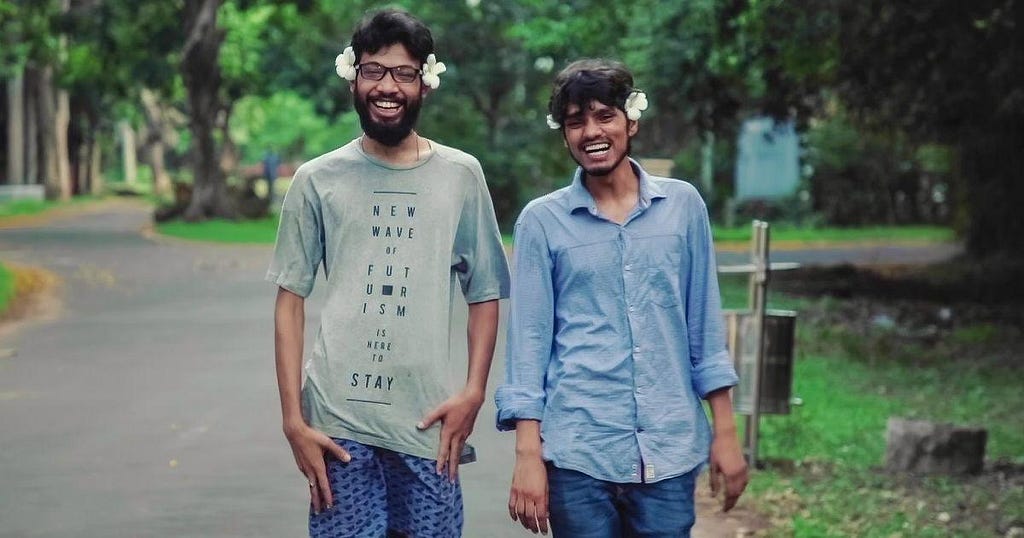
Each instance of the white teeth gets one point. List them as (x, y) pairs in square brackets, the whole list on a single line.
[(594, 148), (386, 104)]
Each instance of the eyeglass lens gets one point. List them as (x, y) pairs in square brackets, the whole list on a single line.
[(376, 71)]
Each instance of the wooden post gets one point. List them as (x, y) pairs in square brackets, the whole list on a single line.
[(758, 306)]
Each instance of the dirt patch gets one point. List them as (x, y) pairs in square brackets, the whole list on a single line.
[(739, 522), (36, 297)]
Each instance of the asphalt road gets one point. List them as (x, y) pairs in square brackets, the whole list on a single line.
[(147, 407)]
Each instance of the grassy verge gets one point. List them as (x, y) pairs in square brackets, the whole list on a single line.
[(6, 288), (841, 235), (223, 231), (21, 208), (264, 230), (824, 475)]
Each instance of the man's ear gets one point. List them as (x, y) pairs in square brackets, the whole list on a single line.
[(634, 127), (424, 89), (352, 86)]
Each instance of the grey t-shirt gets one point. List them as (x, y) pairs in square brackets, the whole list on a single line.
[(394, 242)]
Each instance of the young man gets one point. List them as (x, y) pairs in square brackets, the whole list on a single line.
[(398, 222), (615, 335)]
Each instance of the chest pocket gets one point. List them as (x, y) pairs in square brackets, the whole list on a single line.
[(592, 267), (662, 259)]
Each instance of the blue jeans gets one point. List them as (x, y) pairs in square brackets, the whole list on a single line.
[(583, 507)]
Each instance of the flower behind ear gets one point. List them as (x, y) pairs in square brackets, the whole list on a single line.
[(635, 104), (552, 123), (345, 64), (432, 70)]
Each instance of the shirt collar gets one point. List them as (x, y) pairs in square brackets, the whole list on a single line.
[(580, 198)]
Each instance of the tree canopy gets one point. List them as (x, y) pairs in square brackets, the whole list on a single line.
[(249, 76)]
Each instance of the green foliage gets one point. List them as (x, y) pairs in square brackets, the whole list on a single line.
[(863, 177), (288, 124), (947, 71)]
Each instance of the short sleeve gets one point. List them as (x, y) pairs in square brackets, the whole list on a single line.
[(300, 239), (478, 256)]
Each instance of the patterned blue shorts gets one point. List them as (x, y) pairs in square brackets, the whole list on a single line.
[(382, 493)]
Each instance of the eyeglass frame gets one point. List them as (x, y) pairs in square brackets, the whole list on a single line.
[(389, 70)]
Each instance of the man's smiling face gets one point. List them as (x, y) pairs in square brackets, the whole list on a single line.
[(388, 109), (597, 136)]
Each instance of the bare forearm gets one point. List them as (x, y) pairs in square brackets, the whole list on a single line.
[(481, 333), (289, 322), (528, 443), (721, 412)]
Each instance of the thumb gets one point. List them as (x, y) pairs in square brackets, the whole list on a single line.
[(430, 418)]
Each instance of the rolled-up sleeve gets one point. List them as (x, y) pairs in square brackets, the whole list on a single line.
[(530, 326), (712, 368)]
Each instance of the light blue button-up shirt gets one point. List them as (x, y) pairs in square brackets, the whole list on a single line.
[(616, 332)]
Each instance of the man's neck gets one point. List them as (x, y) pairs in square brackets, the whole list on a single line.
[(618, 186), (409, 151), (617, 193)]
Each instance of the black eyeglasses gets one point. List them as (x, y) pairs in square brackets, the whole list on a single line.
[(401, 73)]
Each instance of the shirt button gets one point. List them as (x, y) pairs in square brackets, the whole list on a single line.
[(637, 349), (628, 267), (631, 309)]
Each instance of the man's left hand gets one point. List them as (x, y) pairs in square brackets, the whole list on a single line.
[(728, 464), (457, 415)]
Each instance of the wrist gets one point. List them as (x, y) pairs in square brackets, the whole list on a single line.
[(474, 393), (292, 427)]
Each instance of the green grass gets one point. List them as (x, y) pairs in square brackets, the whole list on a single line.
[(25, 207), (6, 287), (875, 233), (16, 208), (262, 231), (850, 385)]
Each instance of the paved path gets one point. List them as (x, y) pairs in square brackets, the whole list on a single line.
[(148, 407)]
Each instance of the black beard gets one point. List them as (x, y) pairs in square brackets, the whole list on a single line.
[(389, 135), (599, 172)]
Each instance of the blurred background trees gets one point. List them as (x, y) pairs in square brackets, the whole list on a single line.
[(907, 112)]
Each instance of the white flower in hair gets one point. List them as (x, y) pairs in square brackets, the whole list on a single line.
[(635, 104), (552, 123), (431, 71), (345, 64)]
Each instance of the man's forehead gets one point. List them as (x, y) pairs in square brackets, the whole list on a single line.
[(393, 52), (593, 105)]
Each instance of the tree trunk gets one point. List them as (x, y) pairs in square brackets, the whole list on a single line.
[(201, 73), (31, 127), (95, 172), (992, 159), (16, 130), (62, 120), (46, 119), (128, 155), (155, 142)]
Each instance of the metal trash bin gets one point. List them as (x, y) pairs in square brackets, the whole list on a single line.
[(777, 365)]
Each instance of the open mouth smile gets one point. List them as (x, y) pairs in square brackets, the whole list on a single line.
[(597, 149), (386, 107)]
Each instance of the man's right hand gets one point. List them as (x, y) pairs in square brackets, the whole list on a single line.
[(311, 449), (528, 498)]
